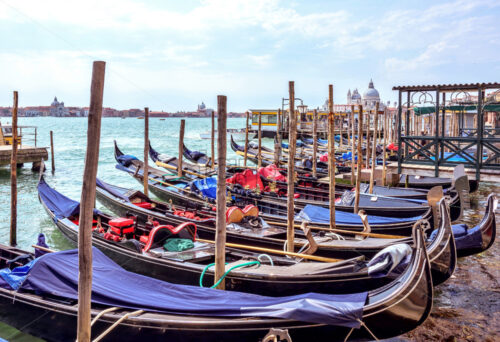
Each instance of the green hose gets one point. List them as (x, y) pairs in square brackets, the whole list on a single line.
[(250, 263)]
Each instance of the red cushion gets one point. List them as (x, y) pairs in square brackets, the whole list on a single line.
[(145, 205), (121, 222)]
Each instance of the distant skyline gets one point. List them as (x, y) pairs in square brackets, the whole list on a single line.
[(172, 55)]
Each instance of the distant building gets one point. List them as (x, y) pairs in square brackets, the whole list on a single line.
[(57, 109), (370, 97)]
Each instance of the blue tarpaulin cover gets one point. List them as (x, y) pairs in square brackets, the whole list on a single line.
[(126, 159), (112, 190), (465, 238), (317, 214), (207, 187), (57, 274), (57, 203)]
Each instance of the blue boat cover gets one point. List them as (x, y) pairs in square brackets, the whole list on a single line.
[(126, 159), (207, 187), (465, 238), (195, 155), (60, 205), (57, 274), (317, 214)]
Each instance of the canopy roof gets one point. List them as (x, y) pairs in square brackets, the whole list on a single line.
[(431, 109)]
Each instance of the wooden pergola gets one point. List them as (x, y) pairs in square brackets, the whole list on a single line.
[(442, 147)]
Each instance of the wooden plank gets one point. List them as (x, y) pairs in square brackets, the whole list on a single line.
[(87, 203), (220, 233), (292, 128), (13, 176)]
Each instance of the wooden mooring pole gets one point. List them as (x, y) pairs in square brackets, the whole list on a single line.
[(13, 176), (331, 156), (374, 148), (245, 156), (384, 158), (146, 151), (259, 157), (368, 136), (315, 142), (213, 139), (220, 233), (360, 159), (53, 162), (246, 141), (353, 145), (292, 129), (87, 203), (181, 144), (277, 154)]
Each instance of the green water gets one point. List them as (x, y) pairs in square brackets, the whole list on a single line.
[(70, 145)]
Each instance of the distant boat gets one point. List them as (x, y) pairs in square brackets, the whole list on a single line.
[(162, 119), (237, 133), (141, 117)]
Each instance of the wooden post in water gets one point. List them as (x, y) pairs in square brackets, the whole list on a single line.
[(368, 136), (181, 144), (13, 176), (315, 141), (292, 128), (35, 135), (220, 233), (245, 156), (277, 145), (52, 161), (353, 145), (374, 148), (246, 141), (259, 157), (360, 159), (331, 156), (384, 158), (145, 179), (213, 139), (87, 202)]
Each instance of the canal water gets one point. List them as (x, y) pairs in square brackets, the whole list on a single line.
[(69, 148)]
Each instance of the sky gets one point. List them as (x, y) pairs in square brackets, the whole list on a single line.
[(171, 55)]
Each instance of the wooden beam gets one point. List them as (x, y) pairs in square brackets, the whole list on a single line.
[(360, 159), (292, 128), (220, 233), (13, 176), (384, 147), (87, 203), (181, 143), (368, 136), (353, 145), (331, 156), (315, 142), (259, 155), (374, 148), (146, 150), (277, 155)]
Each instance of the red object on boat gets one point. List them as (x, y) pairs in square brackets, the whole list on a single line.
[(324, 157), (247, 179), (144, 205), (392, 147), (121, 225), (271, 172)]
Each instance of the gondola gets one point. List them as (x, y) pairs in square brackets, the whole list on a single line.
[(308, 183), (271, 275), (152, 310), (372, 205), (425, 182), (174, 190), (171, 164), (123, 201)]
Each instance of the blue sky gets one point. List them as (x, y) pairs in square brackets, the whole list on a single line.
[(171, 55)]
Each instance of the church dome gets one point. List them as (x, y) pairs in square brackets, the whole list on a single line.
[(371, 93), (355, 95), (55, 103)]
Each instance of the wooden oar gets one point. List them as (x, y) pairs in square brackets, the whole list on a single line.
[(274, 251), (48, 250), (168, 184), (336, 230)]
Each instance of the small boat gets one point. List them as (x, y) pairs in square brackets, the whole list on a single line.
[(425, 182), (238, 133), (137, 307)]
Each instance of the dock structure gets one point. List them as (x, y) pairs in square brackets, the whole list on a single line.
[(441, 126), (25, 154)]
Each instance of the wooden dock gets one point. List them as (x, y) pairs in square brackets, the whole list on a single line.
[(25, 154)]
